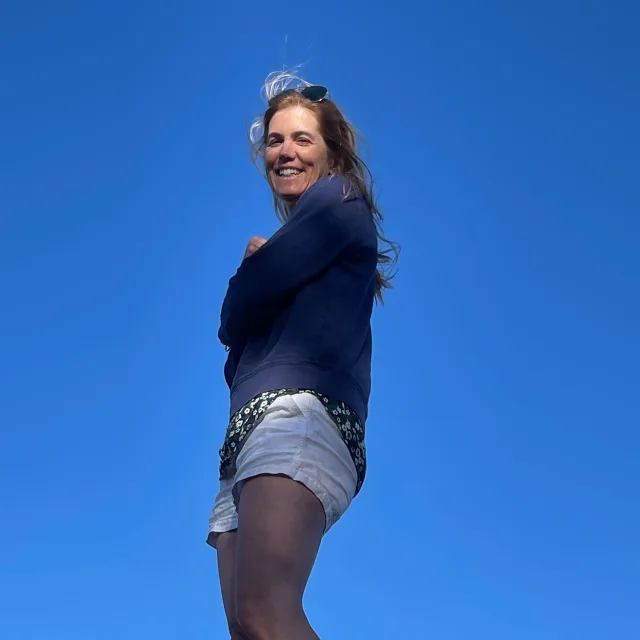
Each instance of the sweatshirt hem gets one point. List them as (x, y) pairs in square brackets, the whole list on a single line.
[(337, 384)]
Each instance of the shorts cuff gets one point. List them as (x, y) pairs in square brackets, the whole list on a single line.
[(331, 515), (221, 526)]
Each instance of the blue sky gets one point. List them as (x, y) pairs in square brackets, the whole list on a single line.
[(502, 496)]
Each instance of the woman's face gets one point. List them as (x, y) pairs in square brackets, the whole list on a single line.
[(296, 154)]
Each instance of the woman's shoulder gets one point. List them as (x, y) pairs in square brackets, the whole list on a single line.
[(339, 202), (331, 190)]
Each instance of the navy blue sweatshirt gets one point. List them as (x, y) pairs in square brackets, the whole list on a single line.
[(297, 312)]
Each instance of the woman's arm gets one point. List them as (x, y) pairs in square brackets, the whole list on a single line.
[(322, 226)]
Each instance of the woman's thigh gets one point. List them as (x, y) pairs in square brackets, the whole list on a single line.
[(280, 527), (264, 565)]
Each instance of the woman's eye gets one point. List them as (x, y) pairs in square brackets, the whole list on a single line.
[(304, 141), (273, 142)]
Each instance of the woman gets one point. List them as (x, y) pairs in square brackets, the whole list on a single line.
[(296, 322)]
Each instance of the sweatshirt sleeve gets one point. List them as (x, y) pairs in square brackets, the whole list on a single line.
[(321, 227)]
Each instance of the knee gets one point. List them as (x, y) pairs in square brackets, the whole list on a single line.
[(252, 621), (260, 620), (235, 630)]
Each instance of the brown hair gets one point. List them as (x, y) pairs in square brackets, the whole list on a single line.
[(341, 138)]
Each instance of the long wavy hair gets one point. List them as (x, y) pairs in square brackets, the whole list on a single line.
[(341, 138)]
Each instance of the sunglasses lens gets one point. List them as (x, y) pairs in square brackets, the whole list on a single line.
[(315, 93)]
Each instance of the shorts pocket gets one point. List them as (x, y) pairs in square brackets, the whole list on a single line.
[(305, 403), (288, 404)]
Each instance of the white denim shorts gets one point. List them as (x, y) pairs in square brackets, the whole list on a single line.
[(297, 438)]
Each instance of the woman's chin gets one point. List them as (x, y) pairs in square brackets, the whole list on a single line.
[(289, 194), (290, 190)]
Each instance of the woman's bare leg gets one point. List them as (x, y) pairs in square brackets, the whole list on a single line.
[(226, 547), (280, 528)]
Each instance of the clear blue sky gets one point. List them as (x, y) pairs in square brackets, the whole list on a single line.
[(504, 443)]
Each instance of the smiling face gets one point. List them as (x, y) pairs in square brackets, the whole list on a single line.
[(296, 155)]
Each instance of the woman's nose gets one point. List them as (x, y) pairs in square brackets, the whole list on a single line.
[(286, 151)]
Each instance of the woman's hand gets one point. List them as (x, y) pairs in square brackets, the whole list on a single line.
[(254, 244)]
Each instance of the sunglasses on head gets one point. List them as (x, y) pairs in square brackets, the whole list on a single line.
[(314, 93)]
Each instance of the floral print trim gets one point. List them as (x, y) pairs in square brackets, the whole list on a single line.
[(246, 419)]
